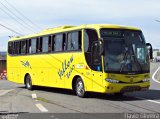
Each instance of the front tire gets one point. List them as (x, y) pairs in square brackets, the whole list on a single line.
[(28, 83), (80, 90)]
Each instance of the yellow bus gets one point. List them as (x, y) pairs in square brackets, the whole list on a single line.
[(100, 58)]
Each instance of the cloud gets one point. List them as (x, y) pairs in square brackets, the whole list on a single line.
[(59, 11), (91, 8), (52, 13)]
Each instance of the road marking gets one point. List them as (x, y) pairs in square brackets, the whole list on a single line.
[(41, 108), (3, 92), (154, 75), (148, 100), (34, 96)]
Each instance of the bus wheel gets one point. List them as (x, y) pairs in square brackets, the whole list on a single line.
[(80, 88), (29, 83)]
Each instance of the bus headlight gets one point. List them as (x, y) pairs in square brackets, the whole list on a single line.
[(146, 80), (112, 80)]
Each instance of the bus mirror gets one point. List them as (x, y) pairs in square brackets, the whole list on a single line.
[(98, 46), (150, 50), (96, 53), (101, 47)]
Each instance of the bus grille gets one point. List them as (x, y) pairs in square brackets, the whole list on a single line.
[(130, 89)]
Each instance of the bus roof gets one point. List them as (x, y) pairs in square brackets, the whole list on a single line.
[(70, 28)]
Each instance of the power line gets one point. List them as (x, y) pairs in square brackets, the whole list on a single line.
[(12, 17), (39, 28), (17, 16), (11, 26), (11, 30)]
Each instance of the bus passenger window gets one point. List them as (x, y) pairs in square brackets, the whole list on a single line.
[(50, 44), (10, 48), (58, 39), (49, 48), (23, 47), (33, 45), (45, 43), (18, 47), (74, 41), (39, 45), (64, 46), (29, 46), (13, 47)]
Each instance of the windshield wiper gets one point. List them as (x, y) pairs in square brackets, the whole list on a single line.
[(125, 56), (124, 59), (135, 59)]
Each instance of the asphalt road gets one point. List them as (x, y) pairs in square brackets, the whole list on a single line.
[(14, 98)]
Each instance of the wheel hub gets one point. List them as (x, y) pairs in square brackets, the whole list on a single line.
[(80, 89)]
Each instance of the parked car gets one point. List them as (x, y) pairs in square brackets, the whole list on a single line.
[(157, 59)]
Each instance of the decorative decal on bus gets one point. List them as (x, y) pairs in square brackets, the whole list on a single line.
[(26, 64), (65, 66)]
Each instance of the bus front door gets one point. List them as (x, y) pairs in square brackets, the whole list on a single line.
[(97, 81), (97, 74)]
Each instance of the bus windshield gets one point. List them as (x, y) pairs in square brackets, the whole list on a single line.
[(125, 51)]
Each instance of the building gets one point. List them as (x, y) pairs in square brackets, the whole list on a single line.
[(155, 52), (2, 64), (156, 55)]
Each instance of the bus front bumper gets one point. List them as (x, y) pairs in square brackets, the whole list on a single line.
[(119, 87)]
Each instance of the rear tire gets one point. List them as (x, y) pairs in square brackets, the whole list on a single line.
[(28, 83), (79, 88)]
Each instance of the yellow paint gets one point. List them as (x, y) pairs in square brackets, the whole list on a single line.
[(47, 70)]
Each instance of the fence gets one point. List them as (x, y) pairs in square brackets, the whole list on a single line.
[(3, 75)]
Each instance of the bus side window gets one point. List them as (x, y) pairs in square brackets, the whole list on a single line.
[(50, 44), (64, 45), (18, 44), (23, 47), (89, 37), (74, 41), (19, 48), (33, 45), (39, 45), (58, 39), (10, 48), (28, 48), (79, 40), (45, 43), (69, 41), (16, 47), (30, 51), (53, 43)]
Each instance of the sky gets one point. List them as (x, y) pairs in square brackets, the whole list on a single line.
[(52, 13)]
